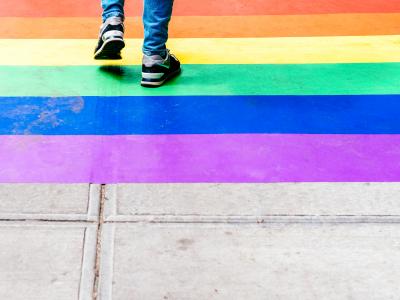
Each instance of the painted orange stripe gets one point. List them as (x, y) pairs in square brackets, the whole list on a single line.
[(89, 8), (224, 26)]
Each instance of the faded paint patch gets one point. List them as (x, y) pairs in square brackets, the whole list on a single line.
[(29, 118)]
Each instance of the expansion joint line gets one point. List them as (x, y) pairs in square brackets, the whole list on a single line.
[(98, 240)]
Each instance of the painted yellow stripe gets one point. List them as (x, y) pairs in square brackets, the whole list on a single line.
[(350, 49)]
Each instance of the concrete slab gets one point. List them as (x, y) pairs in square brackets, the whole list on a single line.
[(231, 261), (42, 261), (49, 201), (213, 202)]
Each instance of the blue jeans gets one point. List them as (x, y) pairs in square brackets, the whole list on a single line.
[(156, 17)]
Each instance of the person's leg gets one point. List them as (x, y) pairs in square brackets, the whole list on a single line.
[(158, 64), (111, 36), (112, 8), (156, 17)]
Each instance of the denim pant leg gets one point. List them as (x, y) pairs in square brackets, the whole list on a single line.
[(156, 17), (112, 8)]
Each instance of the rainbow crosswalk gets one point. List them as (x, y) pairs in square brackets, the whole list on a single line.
[(272, 91)]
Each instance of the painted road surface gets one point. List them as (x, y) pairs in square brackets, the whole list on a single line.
[(257, 78)]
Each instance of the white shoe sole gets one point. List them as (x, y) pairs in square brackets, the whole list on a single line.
[(111, 49), (159, 83)]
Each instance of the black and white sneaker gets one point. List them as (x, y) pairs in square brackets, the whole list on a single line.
[(111, 39), (157, 70)]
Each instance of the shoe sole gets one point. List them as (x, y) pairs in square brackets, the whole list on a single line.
[(111, 49), (160, 83)]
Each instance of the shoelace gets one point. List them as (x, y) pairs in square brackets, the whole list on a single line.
[(173, 56)]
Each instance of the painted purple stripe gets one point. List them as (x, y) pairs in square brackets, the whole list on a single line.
[(200, 158)]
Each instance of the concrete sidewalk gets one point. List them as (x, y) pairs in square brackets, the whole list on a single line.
[(200, 241)]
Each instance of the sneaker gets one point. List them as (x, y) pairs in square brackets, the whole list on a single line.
[(111, 39), (157, 70)]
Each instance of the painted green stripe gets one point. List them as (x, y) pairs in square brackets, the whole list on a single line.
[(313, 79)]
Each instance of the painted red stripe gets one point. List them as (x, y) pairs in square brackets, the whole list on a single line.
[(87, 8), (200, 158)]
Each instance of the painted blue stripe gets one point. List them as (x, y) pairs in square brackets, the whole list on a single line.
[(363, 114)]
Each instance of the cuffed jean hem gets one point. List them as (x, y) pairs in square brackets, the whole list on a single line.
[(113, 14), (162, 53)]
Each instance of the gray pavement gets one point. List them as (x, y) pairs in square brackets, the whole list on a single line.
[(200, 241)]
